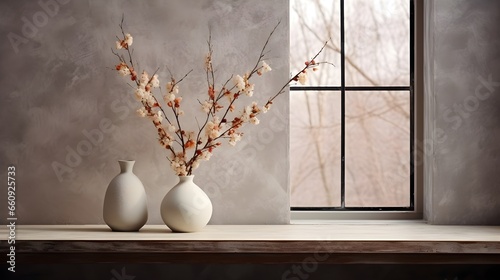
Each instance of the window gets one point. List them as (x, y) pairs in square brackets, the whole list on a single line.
[(352, 125)]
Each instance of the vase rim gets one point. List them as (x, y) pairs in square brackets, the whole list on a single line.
[(185, 176), (126, 160)]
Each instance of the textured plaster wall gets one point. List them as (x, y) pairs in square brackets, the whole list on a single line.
[(59, 98), (462, 103)]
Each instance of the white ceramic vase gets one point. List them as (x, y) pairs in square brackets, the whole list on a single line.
[(186, 207), (125, 204)]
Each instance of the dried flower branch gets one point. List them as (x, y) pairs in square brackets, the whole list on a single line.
[(222, 119)]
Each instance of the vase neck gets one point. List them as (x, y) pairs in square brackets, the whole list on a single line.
[(126, 165), (186, 178)]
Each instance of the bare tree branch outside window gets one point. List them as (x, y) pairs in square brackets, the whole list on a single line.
[(377, 123)]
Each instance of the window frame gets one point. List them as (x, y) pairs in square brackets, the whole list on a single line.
[(415, 88)]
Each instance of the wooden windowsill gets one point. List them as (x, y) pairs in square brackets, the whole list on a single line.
[(343, 242)]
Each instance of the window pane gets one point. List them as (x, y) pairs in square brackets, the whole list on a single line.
[(315, 148), (377, 147), (377, 42), (312, 23)]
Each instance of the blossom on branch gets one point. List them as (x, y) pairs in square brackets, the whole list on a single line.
[(234, 137), (303, 78), (142, 112), (125, 43), (239, 82), (266, 107), (172, 88), (208, 62), (264, 68), (144, 79), (140, 93), (154, 81), (158, 117), (222, 119), (206, 106), (171, 128), (123, 69), (213, 128)]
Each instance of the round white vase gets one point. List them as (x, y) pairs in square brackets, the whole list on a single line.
[(125, 204), (186, 207)]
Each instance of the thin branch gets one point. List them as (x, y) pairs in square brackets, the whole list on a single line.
[(282, 90)]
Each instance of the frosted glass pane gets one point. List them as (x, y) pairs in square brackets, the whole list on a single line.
[(377, 42), (311, 24), (377, 149), (315, 148)]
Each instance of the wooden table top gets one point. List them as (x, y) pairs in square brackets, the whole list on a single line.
[(341, 242), (371, 231)]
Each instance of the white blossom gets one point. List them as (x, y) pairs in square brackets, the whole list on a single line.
[(150, 99), (234, 137), (239, 82), (171, 87), (205, 155), (266, 107), (178, 164), (207, 105), (144, 78), (245, 115), (213, 133), (124, 71), (140, 93), (171, 128), (169, 97), (154, 81), (118, 45), (255, 107), (166, 141), (142, 112), (265, 67), (248, 89), (212, 128), (302, 78), (254, 120), (158, 117), (128, 39)]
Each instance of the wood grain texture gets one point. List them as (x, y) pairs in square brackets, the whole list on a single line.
[(336, 243), (341, 231), (256, 258), (263, 246)]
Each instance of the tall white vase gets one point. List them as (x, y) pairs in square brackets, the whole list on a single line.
[(186, 207), (125, 205)]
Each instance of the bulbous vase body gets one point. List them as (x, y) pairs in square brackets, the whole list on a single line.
[(125, 204), (186, 207)]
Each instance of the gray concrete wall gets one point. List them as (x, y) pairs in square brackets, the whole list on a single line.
[(462, 103), (57, 88)]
